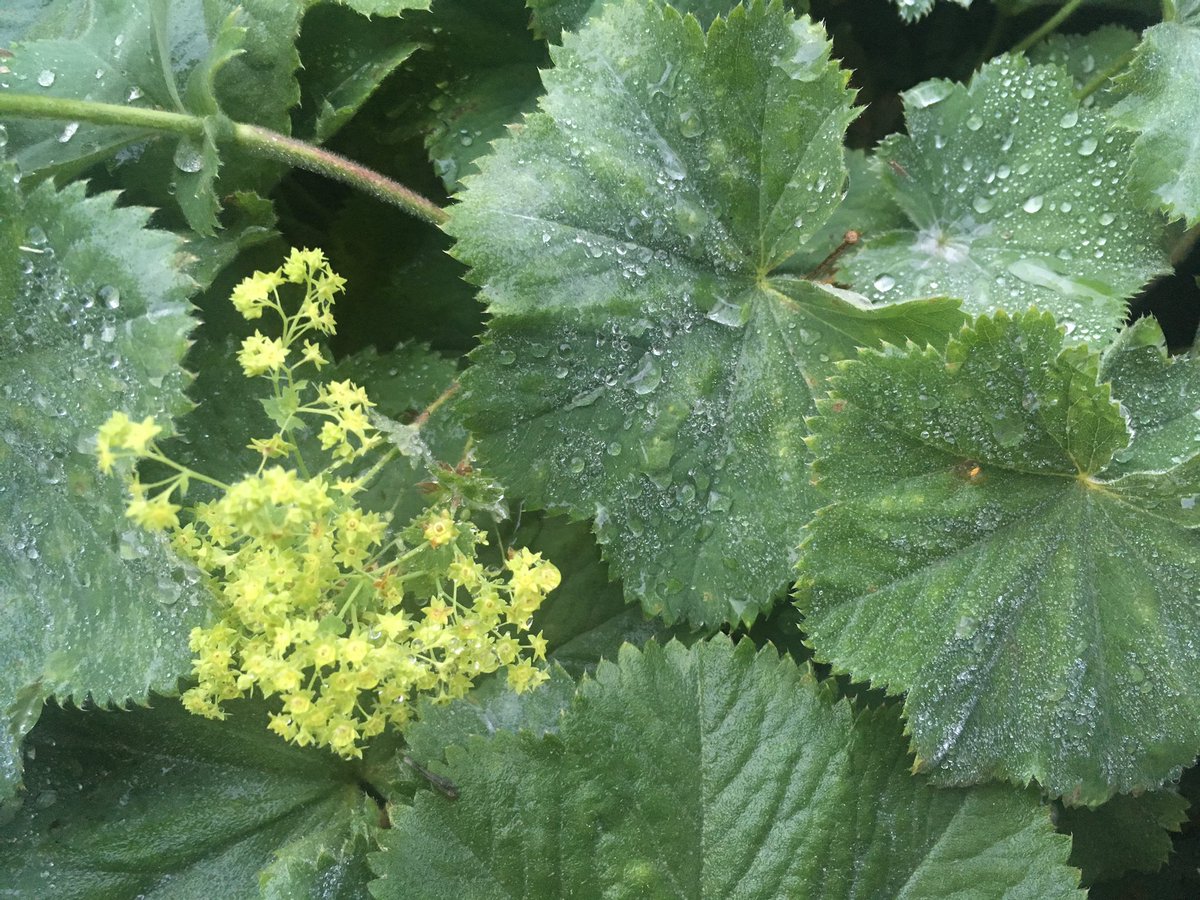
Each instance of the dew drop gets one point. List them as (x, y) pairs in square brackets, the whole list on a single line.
[(68, 132), (1107, 219), (188, 157), (1069, 119), (884, 283), (974, 123), (1087, 147), (109, 295), (982, 204), (1033, 204), (45, 78)]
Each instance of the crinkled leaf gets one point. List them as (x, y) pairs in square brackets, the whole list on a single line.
[(1125, 834), (1159, 395), (1160, 105), (96, 319), (642, 366), (721, 772), (346, 57), (984, 555), (160, 803), (1087, 57), (1012, 201)]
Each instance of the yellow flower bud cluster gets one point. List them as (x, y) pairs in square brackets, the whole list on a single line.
[(344, 625), (320, 605)]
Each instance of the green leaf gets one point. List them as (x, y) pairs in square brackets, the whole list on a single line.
[(643, 366), (160, 803), (911, 10), (346, 57), (1159, 106), (491, 707), (1125, 834), (867, 210), (721, 773), (1012, 201), (1158, 393), (985, 555), (234, 57), (384, 7), (552, 17), (1087, 57), (586, 618), (482, 62), (96, 320)]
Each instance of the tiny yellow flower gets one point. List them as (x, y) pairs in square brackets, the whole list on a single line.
[(260, 355), (441, 529)]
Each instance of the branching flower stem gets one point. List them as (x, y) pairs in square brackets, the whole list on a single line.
[(252, 138)]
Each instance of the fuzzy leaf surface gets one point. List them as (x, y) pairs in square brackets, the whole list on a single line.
[(1161, 87), (643, 366), (1012, 202), (96, 313), (722, 773), (1159, 394), (159, 803), (552, 17), (984, 554)]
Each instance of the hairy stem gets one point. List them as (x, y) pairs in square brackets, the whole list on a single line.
[(1049, 26), (260, 141)]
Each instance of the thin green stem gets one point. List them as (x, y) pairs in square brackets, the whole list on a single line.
[(260, 141), (1049, 26), (1104, 77), (191, 474)]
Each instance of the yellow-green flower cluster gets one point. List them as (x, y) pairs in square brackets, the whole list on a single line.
[(319, 604)]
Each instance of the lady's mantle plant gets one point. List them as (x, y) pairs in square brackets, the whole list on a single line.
[(762, 337)]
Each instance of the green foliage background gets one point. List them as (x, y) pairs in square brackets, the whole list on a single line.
[(839, 355)]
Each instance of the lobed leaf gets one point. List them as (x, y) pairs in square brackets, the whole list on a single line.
[(233, 58), (160, 803), (1159, 106), (1126, 834), (645, 365), (986, 554), (1087, 57), (723, 773), (96, 313), (1013, 198)]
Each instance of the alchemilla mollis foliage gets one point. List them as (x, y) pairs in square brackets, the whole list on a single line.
[(489, 448)]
